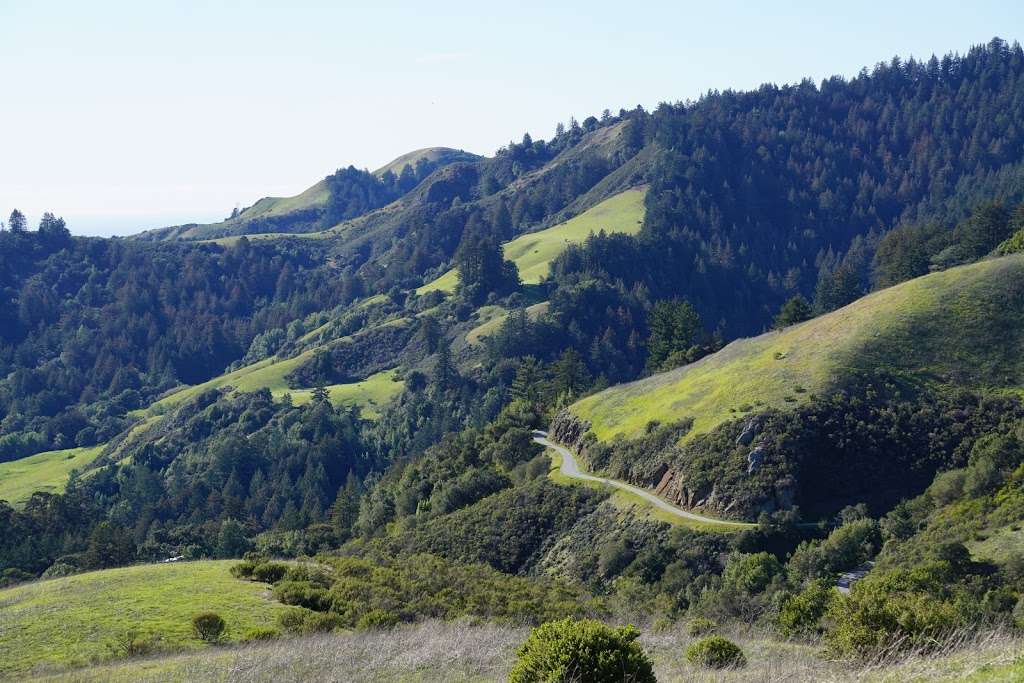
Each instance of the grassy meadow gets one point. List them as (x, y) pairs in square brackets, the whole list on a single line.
[(47, 472), (533, 252), (963, 325), (446, 652), (69, 621)]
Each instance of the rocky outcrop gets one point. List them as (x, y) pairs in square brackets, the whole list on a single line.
[(571, 432), (755, 458), (750, 430)]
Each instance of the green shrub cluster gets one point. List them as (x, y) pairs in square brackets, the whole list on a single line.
[(208, 627), (582, 650), (382, 590), (715, 652), (700, 626)]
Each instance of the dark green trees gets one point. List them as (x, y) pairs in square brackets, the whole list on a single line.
[(483, 269), (675, 333), (795, 310)]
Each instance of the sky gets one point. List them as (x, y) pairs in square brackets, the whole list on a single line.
[(126, 116)]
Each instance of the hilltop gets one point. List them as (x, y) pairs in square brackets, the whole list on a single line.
[(962, 327)]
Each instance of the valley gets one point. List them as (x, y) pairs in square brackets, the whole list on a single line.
[(644, 389)]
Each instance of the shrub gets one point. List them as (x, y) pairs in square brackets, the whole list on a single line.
[(208, 626), (911, 608), (378, 619), (303, 594), (131, 644), (260, 634), (243, 570), (700, 627), (715, 652), (321, 622), (301, 621), (585, 650), (801, 614), (269, 572), (291, 620)]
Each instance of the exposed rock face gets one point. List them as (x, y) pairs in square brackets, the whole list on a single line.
[(750, 430), (755, 458), (570, 431)]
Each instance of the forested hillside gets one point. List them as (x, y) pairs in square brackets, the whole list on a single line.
[(357, 373)]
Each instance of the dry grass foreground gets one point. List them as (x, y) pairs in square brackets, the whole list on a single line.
[(463, 651)]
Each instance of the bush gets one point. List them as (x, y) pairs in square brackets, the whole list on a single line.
[(801, 614), (131, 644), (321, 622), (292, 620), (585, 650), (260, 634), (208, 626), (378, 619), (715, 652), (243, 570), (700, 627), (269, 572), (302, 621), (303, 594), (904, 608)]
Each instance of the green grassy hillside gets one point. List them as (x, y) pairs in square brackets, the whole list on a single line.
[(492, 317), (70, 621), (444, 155), (312, 197), (47, 472), (372, 393), (534, 252), (963, 326)]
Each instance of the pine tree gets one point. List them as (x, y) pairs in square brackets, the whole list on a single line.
[(17, 223), (345, 509), (675, 327), (571, 374), (795, 310)]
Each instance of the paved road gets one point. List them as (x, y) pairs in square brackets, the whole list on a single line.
[(571, 468)]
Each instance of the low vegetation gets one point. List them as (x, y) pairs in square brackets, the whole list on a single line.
[(584, 650), (73, 621)]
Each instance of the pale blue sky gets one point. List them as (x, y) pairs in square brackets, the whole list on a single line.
[(121, 116)]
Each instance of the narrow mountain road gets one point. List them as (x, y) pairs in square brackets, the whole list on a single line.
[(571, 468)]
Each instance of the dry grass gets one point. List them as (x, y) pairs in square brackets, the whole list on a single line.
[(463, 651)]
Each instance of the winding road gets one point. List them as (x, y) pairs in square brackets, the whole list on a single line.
[(571, 468)]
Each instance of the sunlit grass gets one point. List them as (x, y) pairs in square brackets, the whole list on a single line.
[(46, 472), (533, 253), (962, 326), (69, 621)]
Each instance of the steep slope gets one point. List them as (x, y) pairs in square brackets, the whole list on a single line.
[(47, 472), (533, 252), (962, 327)]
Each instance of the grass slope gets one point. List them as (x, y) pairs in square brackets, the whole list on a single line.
[(492, 317), (464, 651), (47, 472), (963, 326), (533, 253), (444, 155), (372, 394), (314, 196), (68, 621)]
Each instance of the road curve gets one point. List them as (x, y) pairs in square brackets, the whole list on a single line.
[(571, 468)]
